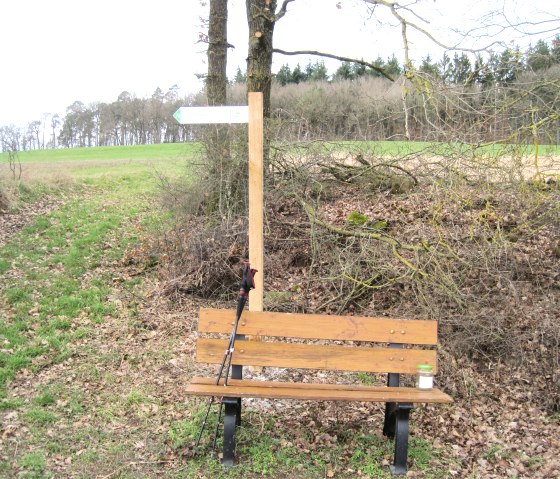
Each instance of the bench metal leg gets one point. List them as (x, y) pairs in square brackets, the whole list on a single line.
[(390, 419), (237, 373), (231, 421), (401, 415), (393, 381), (238, 417)]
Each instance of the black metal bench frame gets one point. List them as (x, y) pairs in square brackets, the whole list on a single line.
[(395, 426)]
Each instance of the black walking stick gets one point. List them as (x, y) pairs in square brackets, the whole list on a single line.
[(246, 285)]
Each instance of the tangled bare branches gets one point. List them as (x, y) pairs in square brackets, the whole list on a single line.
[(201, 260)]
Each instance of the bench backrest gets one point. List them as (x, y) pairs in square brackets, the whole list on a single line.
[(322, 353)]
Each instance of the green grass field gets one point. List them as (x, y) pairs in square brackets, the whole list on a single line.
[(111, 187), (55, 172), (87, 387), (173, 151), (57, 289), (399, 148), (164, 151)]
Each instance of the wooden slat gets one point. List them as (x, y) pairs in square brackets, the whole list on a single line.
[(273, 384), (319, 326), (295, 391), (311, 356), (256, 197)]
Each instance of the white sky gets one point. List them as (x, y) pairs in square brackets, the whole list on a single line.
[(54, 52)]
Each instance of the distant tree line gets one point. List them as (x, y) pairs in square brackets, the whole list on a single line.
[(375, 109), (458, 69), (127, 121), (468, 95), (507, 96)]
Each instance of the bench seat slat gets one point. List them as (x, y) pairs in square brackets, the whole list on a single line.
[(273, 384), (311, 356), (320, 326), (314, 392)]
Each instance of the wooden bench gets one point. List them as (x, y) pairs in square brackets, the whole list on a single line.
[(395, 353)]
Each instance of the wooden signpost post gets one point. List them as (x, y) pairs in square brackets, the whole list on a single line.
[(253, 115), (256, 198)]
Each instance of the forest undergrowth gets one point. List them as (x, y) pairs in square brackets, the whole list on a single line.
[(441, 239)]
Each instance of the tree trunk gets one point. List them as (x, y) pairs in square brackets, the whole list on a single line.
[(261, 20), (217, 138), (216, 81)]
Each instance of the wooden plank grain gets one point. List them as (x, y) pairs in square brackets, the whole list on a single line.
[(311, 356), (280, 384), (442, 397), (320, 326), (291, 391), (256, 197)]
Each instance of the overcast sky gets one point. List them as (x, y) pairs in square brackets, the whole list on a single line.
[(55, 52)]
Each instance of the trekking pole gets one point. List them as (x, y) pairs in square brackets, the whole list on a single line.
[(246, 285)]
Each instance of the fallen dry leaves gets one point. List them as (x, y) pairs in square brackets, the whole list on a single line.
[(123, 385)]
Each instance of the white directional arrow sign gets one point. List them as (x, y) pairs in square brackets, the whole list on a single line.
[(200, 115)]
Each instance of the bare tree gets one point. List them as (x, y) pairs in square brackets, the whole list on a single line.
[(55, 123), (10, 144), (33, 131)]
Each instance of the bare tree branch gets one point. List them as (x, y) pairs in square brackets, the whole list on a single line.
[(518, 27), (495, 23), (282, 10), (396, 7)]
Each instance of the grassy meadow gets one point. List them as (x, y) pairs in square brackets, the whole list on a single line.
[(165, 151), (89, 387), (57, 277), (107, 191), (85, 385), (400, 148)]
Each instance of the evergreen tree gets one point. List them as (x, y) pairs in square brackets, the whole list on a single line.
[(393, 67), (298, 75), (429, 67), (316, 71), (240, 77), (284, 75), (379, 62), (359, 70), (509, 66), (460, 69), (344, 72), (555, 50), (446, 68), (539, 57), (482, 73)]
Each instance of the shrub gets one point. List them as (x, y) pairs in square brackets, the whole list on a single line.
[(4, 202)]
